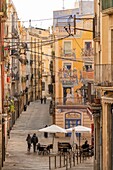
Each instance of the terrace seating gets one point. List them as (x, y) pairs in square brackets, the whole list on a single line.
[(44, 149), (64, 147)]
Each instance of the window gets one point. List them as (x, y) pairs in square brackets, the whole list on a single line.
[(88, 45), (43, 86), (88, 67), (67, 47), (67, 70)]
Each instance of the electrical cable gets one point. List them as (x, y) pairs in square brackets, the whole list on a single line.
[(62, 58)]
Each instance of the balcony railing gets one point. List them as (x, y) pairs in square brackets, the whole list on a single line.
[(68, 77), (67, 53), (104, 74), (96, 28), (70, 101), (107, 6), (87, 52)]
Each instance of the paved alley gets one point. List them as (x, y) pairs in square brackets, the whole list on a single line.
[(17, 157)]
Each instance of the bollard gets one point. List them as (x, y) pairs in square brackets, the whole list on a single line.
[(64, 159), (77, 157), (66, 162), (55, 161), (49, 163), (70, 160), (60, 161), (73, 159)]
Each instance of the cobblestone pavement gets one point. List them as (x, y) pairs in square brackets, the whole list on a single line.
[(17, 157)]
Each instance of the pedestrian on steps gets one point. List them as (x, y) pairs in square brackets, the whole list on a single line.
[(28, 139), (34, 140)]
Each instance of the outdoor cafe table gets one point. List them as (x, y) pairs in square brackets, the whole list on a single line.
[(42, 149)]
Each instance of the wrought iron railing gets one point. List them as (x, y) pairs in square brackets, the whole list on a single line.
[(106, 4), (104, 74), (68, 53), (87, 52), (96, 28), (79, 100)]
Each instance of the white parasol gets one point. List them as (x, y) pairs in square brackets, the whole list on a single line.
[(53, 129), (79, 129)]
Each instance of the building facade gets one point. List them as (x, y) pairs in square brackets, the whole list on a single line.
[(40, 56), (74, 71), (104, 83)]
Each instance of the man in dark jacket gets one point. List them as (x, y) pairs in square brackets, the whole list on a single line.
[(34, 140)]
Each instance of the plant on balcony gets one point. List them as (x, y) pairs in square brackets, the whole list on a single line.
[(11, 106)]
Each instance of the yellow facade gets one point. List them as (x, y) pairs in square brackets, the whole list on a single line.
[(71, 74), (74, 59)]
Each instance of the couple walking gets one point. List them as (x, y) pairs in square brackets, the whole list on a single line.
[(43, 99), (32, 140)]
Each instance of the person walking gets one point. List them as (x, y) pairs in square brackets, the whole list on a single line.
[(44, 99), (28, 139), (45, 133), (34, 140), (41, 100)]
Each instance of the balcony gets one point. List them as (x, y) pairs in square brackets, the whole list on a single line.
[(67, 53), (87, 54), (107, 6), (70, 101), (96, 29), (15, 77), (104, 75), (68, 77), (14, 32)]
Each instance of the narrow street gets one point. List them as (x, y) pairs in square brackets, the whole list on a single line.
[(36, 116), (17, 157)]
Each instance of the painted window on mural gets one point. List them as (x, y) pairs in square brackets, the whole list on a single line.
[(67, 70), (72, 120), (67, 47)]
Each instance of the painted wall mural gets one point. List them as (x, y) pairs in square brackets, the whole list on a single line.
[(67, 75)]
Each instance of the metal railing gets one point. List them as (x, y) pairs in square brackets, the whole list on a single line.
[(80, 100), (87, 52), (104, 73), (66, 160), (107, 4)]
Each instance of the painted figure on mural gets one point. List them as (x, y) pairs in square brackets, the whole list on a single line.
[(79, 96), (69, 96)]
